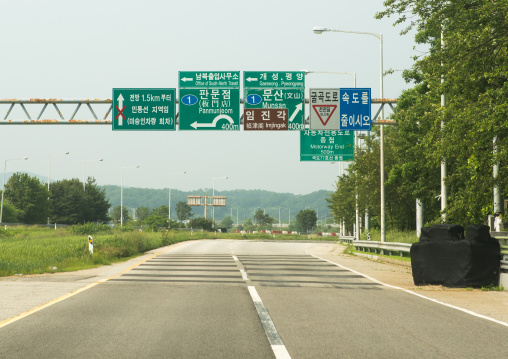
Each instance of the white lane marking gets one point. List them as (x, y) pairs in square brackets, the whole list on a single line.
[(280, 352), (254, 294), (235, 258), (278, 347), (418, 295), (244, 275)]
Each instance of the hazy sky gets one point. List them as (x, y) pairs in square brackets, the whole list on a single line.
[(73, 49)]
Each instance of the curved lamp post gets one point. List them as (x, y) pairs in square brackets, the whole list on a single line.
[(320, 30)]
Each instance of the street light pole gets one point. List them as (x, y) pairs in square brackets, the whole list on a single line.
[(320, 30), (99, 160), (121, 194), (174, 173), (3, 187), (213, 199)]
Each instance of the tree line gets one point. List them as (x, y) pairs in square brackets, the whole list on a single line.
[(467, 61), (28, 200)]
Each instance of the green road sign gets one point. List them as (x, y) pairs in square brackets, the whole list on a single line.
[(144, 109), (326, 145), (209, 79), (274, 79), (277, 90), (209, 100)]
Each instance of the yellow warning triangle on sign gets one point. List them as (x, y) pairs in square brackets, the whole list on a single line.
[(324, 112)]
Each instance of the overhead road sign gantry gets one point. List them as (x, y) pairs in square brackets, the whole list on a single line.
[(276, 90), (326, 145), (144, 109), (209, 100), (324, 109)]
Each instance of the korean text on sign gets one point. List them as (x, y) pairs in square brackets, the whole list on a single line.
[(355, 109)]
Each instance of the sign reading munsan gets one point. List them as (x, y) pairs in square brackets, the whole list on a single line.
[(277, 90), (144, 109), (209, 100)]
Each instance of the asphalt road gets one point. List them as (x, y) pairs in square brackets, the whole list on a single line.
[(246, 299)]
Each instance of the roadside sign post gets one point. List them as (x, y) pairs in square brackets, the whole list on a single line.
[(209, 100), (324, 109), (326, 145), (276, 90), (144, 109), (355, 109)]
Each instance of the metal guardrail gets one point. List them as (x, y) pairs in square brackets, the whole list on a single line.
[(389, 248)]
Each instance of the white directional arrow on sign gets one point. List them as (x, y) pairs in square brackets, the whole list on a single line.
[(120, 103), (298, 109), (250, 79), (185, 79), (214, 123)]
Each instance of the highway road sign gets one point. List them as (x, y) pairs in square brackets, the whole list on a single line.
[(355, 109), (324, 109), (326, 145), (277, 90), (209, 100), (269, 119), (274, 79), (145, 109), (209, 79)]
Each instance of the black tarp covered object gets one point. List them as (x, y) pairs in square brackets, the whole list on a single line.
[(443, 256)]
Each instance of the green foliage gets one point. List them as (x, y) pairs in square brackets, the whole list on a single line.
[(11, 214), (263, 220), (306, 220), (474, 66), (183, 211), (202, 223), (161, 211), (155, 222), (91, 228), (115, 214), (493, 288), (29, 196), (141, 213), (70, 204), (246, 201), (227, 222), (38, 250)]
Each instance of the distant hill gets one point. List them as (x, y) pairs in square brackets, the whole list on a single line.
[(245, 201)]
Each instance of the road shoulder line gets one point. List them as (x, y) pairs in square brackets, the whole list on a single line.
[(417, 294)]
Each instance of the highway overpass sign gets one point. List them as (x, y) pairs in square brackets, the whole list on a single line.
[(144, 109), (209, 100), (277, 90), (326, 145)]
